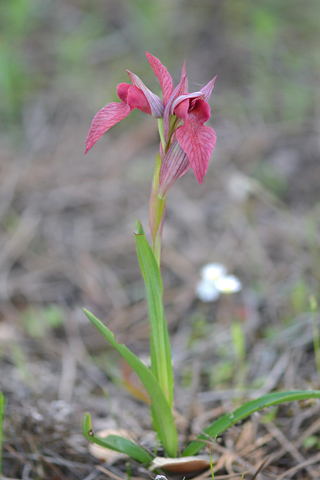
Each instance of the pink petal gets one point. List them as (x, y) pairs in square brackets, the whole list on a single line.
[(181, 109), (179, 90), (182, 98), (173, 166), (106, 118), (156, 104), (163, 76), (197, 140), (137, 99), (122, 91), (207, 89)]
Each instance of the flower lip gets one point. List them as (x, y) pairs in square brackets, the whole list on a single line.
[(196, 139), (181, 98), (106, 118)]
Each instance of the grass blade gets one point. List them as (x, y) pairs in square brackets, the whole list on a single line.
[(119, 444), (161, 410), (161, 364), (245, 411)]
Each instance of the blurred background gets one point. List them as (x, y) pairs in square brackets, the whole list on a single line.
[(67, 221)]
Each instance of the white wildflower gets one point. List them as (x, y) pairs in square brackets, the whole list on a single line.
[(212, 271), (206, 291), (228, 284), (215, 280)]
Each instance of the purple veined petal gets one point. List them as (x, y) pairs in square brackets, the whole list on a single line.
[(137, 99), (196, 140), (174, 164), (207, 89), (163, 76), (106, 118), (134, 97), (198, 143), (156, 104), (193, 95), (179, 90)]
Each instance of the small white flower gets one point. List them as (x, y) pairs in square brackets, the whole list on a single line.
[(206, 291), (228, 284), (212, 271), (215, 280)]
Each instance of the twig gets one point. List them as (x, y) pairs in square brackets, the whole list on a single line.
[(306, 463)]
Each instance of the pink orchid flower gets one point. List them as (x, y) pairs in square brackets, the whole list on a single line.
[(132, 96), (186, 141)]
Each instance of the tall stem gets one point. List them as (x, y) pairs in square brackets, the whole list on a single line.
[(157, 207), (156, 242), (157, 213)]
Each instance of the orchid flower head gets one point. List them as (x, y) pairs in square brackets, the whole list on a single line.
[(135, 96), (186, 141), (189, 143)]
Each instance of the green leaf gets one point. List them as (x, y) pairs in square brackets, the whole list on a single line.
[(161, 410), (119, 444), (245, 411), (161, 364)]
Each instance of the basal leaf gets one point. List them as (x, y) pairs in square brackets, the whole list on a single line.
[(161, 364), (119, 444), (245, 411), (160, 407)]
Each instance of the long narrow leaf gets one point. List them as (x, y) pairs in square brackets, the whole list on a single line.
[(244, 411), (160, 408), (119, 444), (161, 364)]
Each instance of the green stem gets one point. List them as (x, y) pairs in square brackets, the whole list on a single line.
[(159, 211), (156, 248), (161, 133), (156, 211)]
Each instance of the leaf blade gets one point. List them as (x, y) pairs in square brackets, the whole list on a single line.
[(166, 427), (160, 352), (247, 409), (117, 443)]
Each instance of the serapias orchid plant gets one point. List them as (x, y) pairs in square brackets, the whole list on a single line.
[(185, 143)]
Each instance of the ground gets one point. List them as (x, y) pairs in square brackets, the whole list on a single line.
[(67, 240)]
